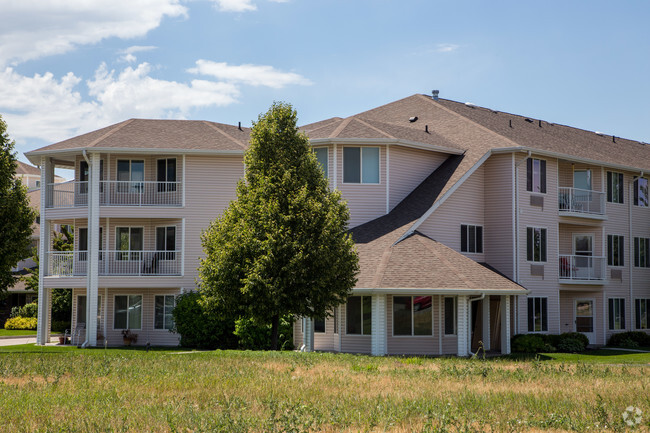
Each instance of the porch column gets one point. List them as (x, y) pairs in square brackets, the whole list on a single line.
[(462, 323), (486, 322), (505, 325), (308, 334), (378, 325), (92, 279), (44, 245)]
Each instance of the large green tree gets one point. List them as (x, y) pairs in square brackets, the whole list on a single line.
[(282, 246), (16, 216)]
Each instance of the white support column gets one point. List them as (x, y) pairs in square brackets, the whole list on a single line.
[(486, 322), (308, 334), (43, 326), (183, 240), (462, 323), (92, 279), (505, 325), (378, 325)]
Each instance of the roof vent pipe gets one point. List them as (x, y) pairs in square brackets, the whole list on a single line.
[(511, 123), (435, 94), (540, 123), (239, 126), (613, 139), (426, 128)]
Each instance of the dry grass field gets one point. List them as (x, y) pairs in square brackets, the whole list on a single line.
[(67, 389)]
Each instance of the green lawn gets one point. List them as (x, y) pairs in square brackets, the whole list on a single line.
[(15, 332)]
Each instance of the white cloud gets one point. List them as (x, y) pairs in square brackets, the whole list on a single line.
[(446, 48), (35, 28), (128, 54), (235, 5), (254, 75)]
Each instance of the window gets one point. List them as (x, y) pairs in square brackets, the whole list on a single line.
[(471, 239), (127, 312), (319, 325), (163, 307), (641, 192), (166, 175), (336, 320), (166, 243), (642, 306), (615, 250), (83, 176), (616, 313), (642, 252), (614, 187), (359, 315), (322, 157), (412, 315), (361, 165), (83, 244), (129, 239), (450, 316), (537, 315), (536, 175), (130, 175), (535, 244), (81, 310), (38, 184)]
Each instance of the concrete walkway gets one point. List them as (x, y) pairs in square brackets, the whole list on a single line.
[(23, 340)]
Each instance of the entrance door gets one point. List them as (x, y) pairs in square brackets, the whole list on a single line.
[(584, 322), (583, 249)]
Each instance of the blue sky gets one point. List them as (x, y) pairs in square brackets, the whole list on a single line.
[(72, 66)]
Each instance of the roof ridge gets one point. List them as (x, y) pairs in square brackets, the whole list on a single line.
[(373, 127), (442, 258), (213, 126), (383, 264), (341, 127), (117, 127)]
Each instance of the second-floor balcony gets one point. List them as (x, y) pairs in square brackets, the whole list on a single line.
[(115, 263), (581, 269), (115, 193), (581, 202)]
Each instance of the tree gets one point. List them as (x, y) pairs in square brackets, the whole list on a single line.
[(282, 246), (16, 216)]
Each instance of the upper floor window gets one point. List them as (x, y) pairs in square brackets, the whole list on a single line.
[(614, 187), (642, 252), (536, 175), (130, 175), (641, 192), (83, 176), (361, 165), (129, 239), (536, 244), (322, 158), (83, 243), (471, 238), (166, 241), (166, 175), (615, 250)]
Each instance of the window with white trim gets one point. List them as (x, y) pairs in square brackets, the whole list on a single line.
[(84, 176), (83, 244), (322, 157), (614, 187), (615, 250), (319, 325), (616, 313), (81, 310), (129, 239), (360, 165), (450, 316), (127, 312), (642, 306), (130, 175), (166, 242), (537, 314), (412, 315), (536, 175), (166, 174), (641, 192), (471, 238), (359, 315), (535, 244), (163, 308), (642, 252)]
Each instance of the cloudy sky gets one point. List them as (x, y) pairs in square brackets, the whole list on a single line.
[(71, 66)]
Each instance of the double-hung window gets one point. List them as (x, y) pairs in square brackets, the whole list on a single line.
[(359, 315), (322, 158), (166, 243), (471, 238), (163, 307), (319, 325), (642, 252), (641, 192), (615, 250), (536, 175), (130, 175), (642, 307), (536, 244), (360, 165), (616, 313), (84, 176), (81, 310), (537, 314), (83, 244), (128, 312), (450, 316), (129, 243), (166, 175), (412, 315), (614, 187)]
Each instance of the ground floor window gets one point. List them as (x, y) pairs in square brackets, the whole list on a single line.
[(319, 325), (537, 315), (359, 315), (642, 306), (450, 316), (412, 315), (127, 312), (81, 310), (163, 307), (616, 313)]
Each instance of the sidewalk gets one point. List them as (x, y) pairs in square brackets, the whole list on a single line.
[(14, 341)]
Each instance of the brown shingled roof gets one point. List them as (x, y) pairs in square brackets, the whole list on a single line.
[(27, 169)]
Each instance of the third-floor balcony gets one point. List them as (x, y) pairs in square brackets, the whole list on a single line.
[(115, 193), (581, 202), (115, 263)]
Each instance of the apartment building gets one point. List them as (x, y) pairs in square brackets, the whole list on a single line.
[(471, 225)]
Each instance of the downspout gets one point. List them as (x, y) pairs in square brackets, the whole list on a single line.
[(469, 326), (85, 155)]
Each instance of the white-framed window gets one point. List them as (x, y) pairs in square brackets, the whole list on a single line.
[(127, 312), (536, 175), (412, 315), (614, 187), (642, 307), (615, 250), (131, 241), (166, 174), (359, 315), (471, 238), (537, 314), (335, 317), (616, 313), (450, 315), (81, 310), (361, 165), (641, 192), (319, 325), (642, 252), (83, 176), (130, 175), (38, 184), (536, 244), (166, 242), (163, 307), (83, 244), (322, 156)]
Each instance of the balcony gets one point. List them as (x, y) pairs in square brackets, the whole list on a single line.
[(115, 263), (115, 193), (575, 269), (581, 202)]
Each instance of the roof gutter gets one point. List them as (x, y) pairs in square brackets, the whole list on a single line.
[(376, 141), (420, 291)]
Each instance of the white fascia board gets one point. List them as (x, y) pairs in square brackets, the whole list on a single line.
[(32, 155), (396, 141), (417, 291)]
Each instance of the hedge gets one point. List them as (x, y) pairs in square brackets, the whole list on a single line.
[(28, 323)]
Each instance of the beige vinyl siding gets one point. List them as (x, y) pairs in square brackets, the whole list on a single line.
[(566, 169), (327, 341), (408, 168), (465, 206), (498, 244), (568, 231), (352, 343), (413, 345)]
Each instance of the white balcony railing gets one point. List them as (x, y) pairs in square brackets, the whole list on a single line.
[(115, 193), (115, 263), (581, 201), (585, 268)]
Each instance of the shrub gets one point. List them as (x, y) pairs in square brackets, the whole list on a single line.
[(576, 336), (571, 345), (200, 327), (28, 323), (253, 336), (638, 337), (528, 343), (27, 310)]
